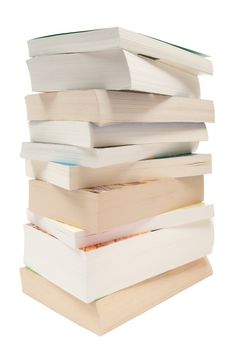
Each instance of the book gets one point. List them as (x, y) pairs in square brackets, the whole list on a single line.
[(76, 237), (73, 177), (96, 271), (104, 314), (110, 70), (105, 107), (103, 157), (100, 208), (86, 134), (110, 38)]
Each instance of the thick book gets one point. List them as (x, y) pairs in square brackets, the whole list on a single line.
[(100, 208), (95, 271), (110, 38), (104, 314), (87, 134), (110, 70), (105, 156), (74, 177), (76, 237), (105, 107), (107, 313)]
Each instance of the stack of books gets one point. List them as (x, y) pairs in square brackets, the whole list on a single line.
[(117, 222)]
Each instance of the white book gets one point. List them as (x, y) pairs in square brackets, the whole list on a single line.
[(76, 237), (93, 274), (110, 38), (102, 157), (86, 134), (74, 177), (105, 107), (110, 70)]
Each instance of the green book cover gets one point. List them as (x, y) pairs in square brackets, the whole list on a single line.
[(92, 30)]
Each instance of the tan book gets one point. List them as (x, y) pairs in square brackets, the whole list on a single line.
[(99, 208), (109, 312), (103, 107), (74, 177)]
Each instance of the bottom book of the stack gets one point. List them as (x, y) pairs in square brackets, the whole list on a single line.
[(108, 312)]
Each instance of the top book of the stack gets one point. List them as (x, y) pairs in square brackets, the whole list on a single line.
[(114, 59), (118, 38)]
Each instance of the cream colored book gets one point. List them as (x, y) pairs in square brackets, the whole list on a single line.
[(105, 107), (94, 271), (100, 208), (111, 311), (110, 38), (106, 156), (76, 237), (73, 177), (115, 69)]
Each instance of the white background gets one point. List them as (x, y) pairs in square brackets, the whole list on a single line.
[(199, 318)]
